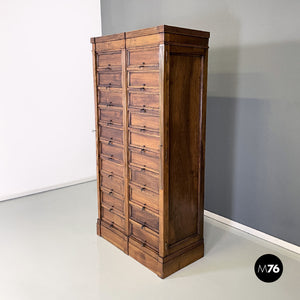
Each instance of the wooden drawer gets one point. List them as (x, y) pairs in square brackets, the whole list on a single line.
[(112, 134), (143, 58), (144, 120), (112, 218), (110, 79), (143, 216), (112, 201), (111, 151), (109, 59), (144, 178), (143, 79), (111, 116), (110, 98), (144, 197), (145, 235), (112, 167), (143, 100), (113, 183), (144, 141), (144, 160)]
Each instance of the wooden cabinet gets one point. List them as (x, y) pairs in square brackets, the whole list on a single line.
[(150, 104)]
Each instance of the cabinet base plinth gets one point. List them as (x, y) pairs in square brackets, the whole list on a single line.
[(164, 267)]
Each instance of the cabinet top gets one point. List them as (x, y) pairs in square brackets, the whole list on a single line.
[(152, 30)]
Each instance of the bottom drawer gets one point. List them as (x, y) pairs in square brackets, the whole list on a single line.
[(146, 236), (112, 218)]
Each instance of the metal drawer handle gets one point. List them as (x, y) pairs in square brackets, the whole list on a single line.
[(108, 68), (143, 110), (110, 141), (112, 224), (144, 225), (112, 208), (143, 189), (111, 157), (142, 65), (144, 206), (110, 175), (111, 191), (144, 243), (142, 89), (143, 149), (109, 123), (143, 169), (109, 104)]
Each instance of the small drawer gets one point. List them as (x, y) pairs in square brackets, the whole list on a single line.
[(112, 167), (109, 59), (110, 79), (144, 120), (112, 201), (142, 159), (113, 183), (112, 134), (111, 117), (144, 141), (144, 217), (143, 100), (111, 151), (110, 98), (143, 79), (144, 235), (113, 219), (143, 58), (147, 179), (144, 197)]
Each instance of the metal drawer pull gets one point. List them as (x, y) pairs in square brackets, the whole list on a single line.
[(143, 149), (110, 141), (143, 110), (144, 243), (144, 207), (109, 123), (110, 175), (111, 157), (109, 104), (142, 189), (142, 65), (144, 128), (111, 209), (144, 225), (143, 169), (112, 224), (111, 191)]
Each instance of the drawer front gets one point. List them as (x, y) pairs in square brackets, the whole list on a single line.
[(145, 235), (112, 134), (112, 167), (144, 197), (110, 98), (143, 58), (112, 183), (143, 79), (109, 79), (144, 120), (144, 178), (113, 219), (144, 217), (143, 160), (112, 151), (144, 141), (111, 117), (143, 100), (112, 202), (109, 59)]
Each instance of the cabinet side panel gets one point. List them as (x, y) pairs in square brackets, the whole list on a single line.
[(184, 105)]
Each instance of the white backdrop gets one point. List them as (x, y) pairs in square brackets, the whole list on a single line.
[(46, 94)]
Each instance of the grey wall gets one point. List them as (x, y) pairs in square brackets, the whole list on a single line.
[(253, 114)]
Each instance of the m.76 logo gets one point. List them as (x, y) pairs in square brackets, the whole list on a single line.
[(268, 268)]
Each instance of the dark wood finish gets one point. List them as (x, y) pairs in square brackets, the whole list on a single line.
[(150, 103)]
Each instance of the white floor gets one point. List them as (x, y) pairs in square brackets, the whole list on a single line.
[(49, 250)]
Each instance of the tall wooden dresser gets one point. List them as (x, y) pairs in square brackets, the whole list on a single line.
[(150, 103)]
